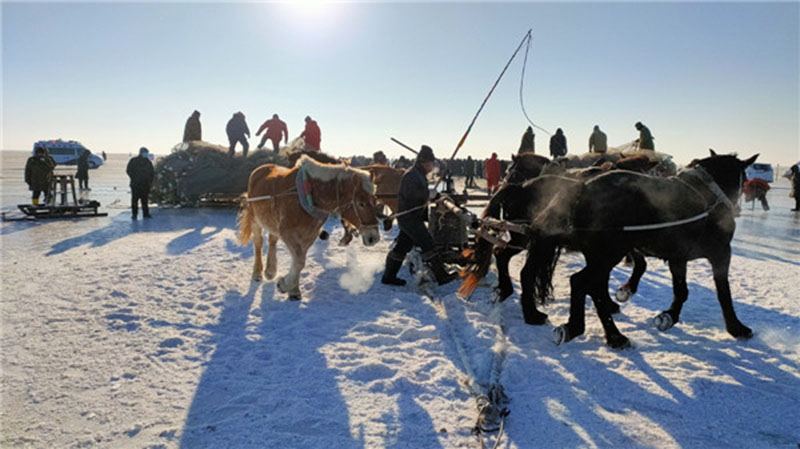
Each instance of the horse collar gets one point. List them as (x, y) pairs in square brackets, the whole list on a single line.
[(304, 195), (699, 177)]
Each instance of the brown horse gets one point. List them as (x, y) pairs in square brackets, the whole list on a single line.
[(387, 185), (273, 203)]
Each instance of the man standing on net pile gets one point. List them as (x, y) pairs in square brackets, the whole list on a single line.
[(413, 212), (645, 137), (275, 129), (598, 142), (238, 132)]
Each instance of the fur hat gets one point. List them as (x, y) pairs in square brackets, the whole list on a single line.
[(425, 154)]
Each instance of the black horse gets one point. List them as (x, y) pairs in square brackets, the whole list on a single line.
[(503, 206), (678, 219)]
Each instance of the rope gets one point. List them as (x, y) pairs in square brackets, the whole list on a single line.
[(469, 128), (490, 402), (522, 82), (269, 197)]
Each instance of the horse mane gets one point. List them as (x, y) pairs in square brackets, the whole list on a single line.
[(330, 172), (528, 158), (313, 154)]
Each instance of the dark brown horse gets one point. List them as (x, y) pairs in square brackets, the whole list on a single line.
[(678, 219)]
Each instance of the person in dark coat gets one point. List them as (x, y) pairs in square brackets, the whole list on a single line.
[(796, 186), (469, 172), (39, 173), (141, 172), (526, 144), (412, 214), (645, 137), (312, 134), (379, 158), (558, 144), (237, 130), (83, 170), (275, 129), (193, 130)]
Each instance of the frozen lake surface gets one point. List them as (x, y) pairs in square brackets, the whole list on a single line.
[(150, 334)]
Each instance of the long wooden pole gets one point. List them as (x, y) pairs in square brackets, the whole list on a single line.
[(404, 145)]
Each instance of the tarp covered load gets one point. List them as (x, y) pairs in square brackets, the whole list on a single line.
[(197, 168)]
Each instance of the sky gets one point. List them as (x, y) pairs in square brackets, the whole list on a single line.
[(120, 76)]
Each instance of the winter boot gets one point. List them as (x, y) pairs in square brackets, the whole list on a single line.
[(434, 262), (393, 264), (36, 201)]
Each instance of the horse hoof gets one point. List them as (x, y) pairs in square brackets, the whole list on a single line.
[(346, 239), (500, 295), (294, 297), (742, 332), (664, 321), (281, 285), (256, 278), (619, 342), (269, 275), (623, 294), (560, 334)]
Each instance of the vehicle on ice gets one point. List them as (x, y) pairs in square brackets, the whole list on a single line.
[(761, 171), (66, 152)]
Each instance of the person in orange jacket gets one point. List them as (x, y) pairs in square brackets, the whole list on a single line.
[(312, 134), (492, 173), (276, 128)]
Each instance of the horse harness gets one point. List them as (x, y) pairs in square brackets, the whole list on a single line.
[(303, 191)]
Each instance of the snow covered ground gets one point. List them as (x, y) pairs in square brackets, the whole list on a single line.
[(150, 334)]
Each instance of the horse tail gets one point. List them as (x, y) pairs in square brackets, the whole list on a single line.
[(480, 258), (543, 253), (245, 221)]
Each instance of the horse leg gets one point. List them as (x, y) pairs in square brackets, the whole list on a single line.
[(529, 311), (348, 234), (272, 256), (290, 283), (720, 265), (628, 289), (576, 325), (258, 244), (504, 287), (603, 305), (680, 292)]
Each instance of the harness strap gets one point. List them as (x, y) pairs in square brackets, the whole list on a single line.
[(269, 197), (668, 224)]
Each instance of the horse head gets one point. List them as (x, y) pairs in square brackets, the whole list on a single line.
[(727, 170), (361, 210), (525, 166)]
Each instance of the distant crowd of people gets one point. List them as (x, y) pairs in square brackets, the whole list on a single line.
[(39, 167), (238, 132)]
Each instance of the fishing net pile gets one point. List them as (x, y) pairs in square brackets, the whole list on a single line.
[(665, 165), (195, 169)]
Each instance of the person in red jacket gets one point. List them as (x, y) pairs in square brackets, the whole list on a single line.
[(492, 173), (312, 134), (276, 128)]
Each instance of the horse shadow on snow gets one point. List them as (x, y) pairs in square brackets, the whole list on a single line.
[(268, 382), (714, 392)]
